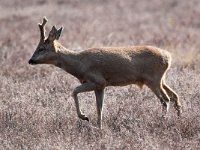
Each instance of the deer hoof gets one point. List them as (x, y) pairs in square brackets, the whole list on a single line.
[(179, 112), (83, 117), (86, 118)]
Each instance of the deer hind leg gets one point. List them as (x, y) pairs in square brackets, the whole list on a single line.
[(162, 95), (87, 86), (99, 102), (173, 97)]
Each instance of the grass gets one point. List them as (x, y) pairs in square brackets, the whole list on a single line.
[(36, 107)]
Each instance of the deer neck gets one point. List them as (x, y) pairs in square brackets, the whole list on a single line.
[(69, 61)]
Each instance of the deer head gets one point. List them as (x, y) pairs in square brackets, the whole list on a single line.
[(45, 52)]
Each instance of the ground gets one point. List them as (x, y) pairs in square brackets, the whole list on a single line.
[(36, 107)]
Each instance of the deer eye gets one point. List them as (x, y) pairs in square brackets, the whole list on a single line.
[(41, 49)]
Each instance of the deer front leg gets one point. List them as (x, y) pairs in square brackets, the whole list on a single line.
[(99, 101), (87, 86)]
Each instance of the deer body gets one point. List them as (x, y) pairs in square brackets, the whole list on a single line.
[(97, 68), (116, 66)]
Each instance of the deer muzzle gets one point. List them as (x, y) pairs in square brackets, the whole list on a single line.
[(32, 62)]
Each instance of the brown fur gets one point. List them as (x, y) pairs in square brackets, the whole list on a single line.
[(97, 68)]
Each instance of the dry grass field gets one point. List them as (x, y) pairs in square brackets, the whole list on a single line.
[(36, 108)]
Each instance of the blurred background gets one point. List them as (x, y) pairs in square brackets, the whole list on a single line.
[(36, 109), (171, 24)]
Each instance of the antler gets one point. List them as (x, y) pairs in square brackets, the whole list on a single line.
[(42, 28)]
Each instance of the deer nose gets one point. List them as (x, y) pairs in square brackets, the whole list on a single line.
[(31, 61)]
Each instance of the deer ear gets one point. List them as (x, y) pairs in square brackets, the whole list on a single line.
[(52, 34), (58, 33)]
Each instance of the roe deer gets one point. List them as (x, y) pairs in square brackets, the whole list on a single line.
[(97, 68)]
